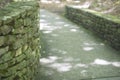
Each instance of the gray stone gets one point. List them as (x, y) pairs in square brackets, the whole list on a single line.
[(3, 50), (2, 40), (5, 29)]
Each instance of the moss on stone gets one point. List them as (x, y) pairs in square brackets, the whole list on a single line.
[(17, 38)]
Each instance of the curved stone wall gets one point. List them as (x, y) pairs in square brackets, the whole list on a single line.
[(19, 41), (105, 26)]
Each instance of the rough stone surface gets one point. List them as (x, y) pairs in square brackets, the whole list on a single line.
[(19, 44)]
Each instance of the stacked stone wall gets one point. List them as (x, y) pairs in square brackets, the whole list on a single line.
[(105, 26), (19, 41)]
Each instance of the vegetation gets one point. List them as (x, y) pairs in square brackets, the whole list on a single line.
[(104, 6)]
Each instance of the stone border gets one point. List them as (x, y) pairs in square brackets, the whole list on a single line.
[(19, 41), (105, 26)]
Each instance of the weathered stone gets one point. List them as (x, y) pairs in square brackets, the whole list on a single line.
[(2, 40), (27, 22), (15, 15), (12, 62), (18, 31), (23, 14), (18, 28), (3, 66), (5, 29), (3, 50), (21, 30), (27, 52), (18, 23), (10, 39), (20, 58), (25, 47), (0, 23), (18, 52), (4, 73), (7, 19), (17, 67), (18, 44), (6, 57)]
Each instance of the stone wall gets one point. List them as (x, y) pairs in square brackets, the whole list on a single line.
[(4, 2), (19, 41), (105, 26)]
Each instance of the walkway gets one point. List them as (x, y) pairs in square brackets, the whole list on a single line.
[(74, 53)]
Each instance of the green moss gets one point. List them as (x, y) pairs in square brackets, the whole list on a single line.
[(17, 34), (15, 8)]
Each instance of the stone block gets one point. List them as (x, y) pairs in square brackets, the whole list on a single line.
[(20, 58), (22, 65), (5, 29), (27, 22), (6, 57), (18, 23), (3, 66), (3, 50), (0, 23), (17, 44), (18, 52), (12, 62), (23, 15), (2, 40), (7, 19), (10, 39), (17, 67), (25, 47)]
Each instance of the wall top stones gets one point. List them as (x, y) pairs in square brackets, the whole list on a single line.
[(105, 16), (14, 9)]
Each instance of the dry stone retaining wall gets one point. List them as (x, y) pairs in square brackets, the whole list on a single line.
[(19, 41), (105, 26)]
